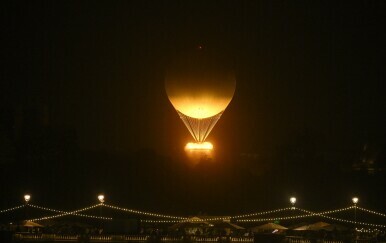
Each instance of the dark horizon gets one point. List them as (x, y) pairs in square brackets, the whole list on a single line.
[(83, 109)]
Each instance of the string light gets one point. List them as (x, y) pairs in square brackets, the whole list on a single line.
[(74, 213), (354, 222), (143, 213), (371, 211), (160, 221), (259, 213), (217, 218), (343, 220), (274, 219), (176, 219), (331, 211), (362, 230), (11, 209), (322, 214), (188, 220), (64, 212), (255, 214), (294, 217), (208, 219), (309, 214)]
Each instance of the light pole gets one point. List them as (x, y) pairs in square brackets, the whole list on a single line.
[(355, 201), (293, 201), (101, 199), (27, 197)]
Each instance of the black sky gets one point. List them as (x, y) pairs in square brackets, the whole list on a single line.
[(83, 103)]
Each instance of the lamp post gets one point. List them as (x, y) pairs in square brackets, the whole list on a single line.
[(293, 201), (101, 199), (27, 197), (355, 201)]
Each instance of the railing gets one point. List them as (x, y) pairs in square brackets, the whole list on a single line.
[(290, 240), (204, 239), (122, 238), (101, 238), (171, 238), (136, 238), (66, 237), (302, 240), (43, 237), (75, 238), (145, 238), (241, 239)]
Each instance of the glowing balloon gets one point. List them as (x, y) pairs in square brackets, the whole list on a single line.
[(200, 87)]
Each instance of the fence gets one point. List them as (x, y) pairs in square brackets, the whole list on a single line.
[(144, 238)]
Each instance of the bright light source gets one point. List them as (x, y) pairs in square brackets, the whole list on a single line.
[(200, 87), (101, 198), (199, 91), (293, 200), (199, 146), (355, 200), (27, 197)]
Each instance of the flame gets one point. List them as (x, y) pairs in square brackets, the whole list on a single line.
[(199, 146)]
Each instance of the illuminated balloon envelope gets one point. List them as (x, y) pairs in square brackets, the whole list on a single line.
[(200, 88)]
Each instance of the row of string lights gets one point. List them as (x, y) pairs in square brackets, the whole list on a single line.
[(244, 218)]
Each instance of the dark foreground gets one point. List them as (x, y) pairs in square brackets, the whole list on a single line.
[(10, 237)]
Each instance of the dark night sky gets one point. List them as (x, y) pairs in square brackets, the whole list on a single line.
[(83, 104)]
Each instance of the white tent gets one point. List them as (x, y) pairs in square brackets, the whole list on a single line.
[(268, 227), (314, 227), (228, 225), (190, 223), (31, 224)]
